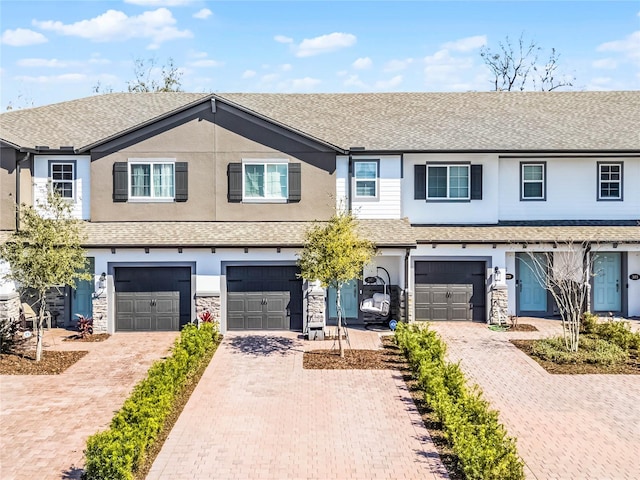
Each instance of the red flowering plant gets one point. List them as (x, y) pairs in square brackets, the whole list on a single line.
[(206, 317)]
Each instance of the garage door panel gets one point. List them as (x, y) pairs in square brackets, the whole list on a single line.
[(142, 323), (165, 323), (450, 290), (264, 297)]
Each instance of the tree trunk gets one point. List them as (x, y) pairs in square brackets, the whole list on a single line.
[(339, 314), (40, 325)]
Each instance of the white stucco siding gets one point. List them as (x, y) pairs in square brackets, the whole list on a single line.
[(571, 190), (81, 183), (387, 203), (633, 292), (483, 211)]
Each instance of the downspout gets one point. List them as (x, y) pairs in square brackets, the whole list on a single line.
[(586, 265), (349, 182), (406, 285), (18, 196)]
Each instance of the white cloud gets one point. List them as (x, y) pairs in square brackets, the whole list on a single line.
[(304, 84), (354, 81), (55, 63), (249, 74), (466, 44), (389, 84), (22, 37), (629, 47), (160, 3), (64, 78), (397, 65), (342, 73), (286, 67), (446, 72), (362, 63), (325, 44), (605, 63), (205, 63), (270, 77), (157, 25), (283, 39), (203, 14)]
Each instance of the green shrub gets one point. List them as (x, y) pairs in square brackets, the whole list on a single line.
[(116, 453), (480, 442), (589, 322), (591, 350), (618, 333)]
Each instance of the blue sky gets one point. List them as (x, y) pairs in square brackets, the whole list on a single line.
[(53, 51)]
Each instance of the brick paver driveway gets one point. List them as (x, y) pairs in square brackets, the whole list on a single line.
[(568, 426), (257, 414), (45, 420)]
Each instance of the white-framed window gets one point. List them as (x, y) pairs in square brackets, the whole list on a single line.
[(448, 182), (265, 180), (62, 175), (365, 176), (533, 178), (152, 179), (609, 181)]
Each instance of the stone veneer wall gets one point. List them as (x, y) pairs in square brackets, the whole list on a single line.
[(211, 303), (55, 305), (100, 313), (499, 313), (10, 306), (316, 305)]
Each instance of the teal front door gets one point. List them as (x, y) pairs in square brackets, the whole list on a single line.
[(348, 300), (81, 296), (607, 291), (532, 295)]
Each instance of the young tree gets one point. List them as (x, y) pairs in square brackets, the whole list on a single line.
[(144, 73), (566, 273), (516, 67), (45, 252), (334, 254)]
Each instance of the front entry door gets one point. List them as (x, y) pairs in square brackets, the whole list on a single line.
[(81, 296), (532, 295), (607, 291), (348, 300)]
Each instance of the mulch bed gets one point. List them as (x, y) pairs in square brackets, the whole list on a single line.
[(631, 367), (96, 337), (52, 362), (522, 327)]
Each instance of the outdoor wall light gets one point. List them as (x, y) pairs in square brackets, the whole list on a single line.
[(102, 285), (497, 274)]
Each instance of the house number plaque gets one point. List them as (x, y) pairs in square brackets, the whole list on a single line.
[(635, 276)]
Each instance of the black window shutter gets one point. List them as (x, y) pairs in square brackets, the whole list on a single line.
[(420, 182), (234, 172), (476, 182), (120, 182), (295, 182), (182, 181)]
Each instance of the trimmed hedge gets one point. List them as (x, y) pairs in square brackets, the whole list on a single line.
[(480, 442), (116, 453)]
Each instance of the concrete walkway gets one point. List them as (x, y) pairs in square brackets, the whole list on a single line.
[(257, 414), (578, 427), (45, 420)]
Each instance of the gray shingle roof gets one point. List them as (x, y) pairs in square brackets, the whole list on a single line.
[(533, 234), (396, 233), (485, 121)]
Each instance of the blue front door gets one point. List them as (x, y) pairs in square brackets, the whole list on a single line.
[(81, 296), (607, 291), (532, 295), (348, 300)]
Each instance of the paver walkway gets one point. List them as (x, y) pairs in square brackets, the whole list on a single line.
[(568, 426), (257, 414), (45, 420)]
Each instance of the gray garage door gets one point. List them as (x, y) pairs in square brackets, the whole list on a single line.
[(450, 291), (152, 298), (264, 298)]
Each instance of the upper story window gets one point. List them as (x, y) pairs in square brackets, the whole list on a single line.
[(62, 176), (448, 182), (152, 179), (365, 175), (609, 181), (533, 181), (265, 180)]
